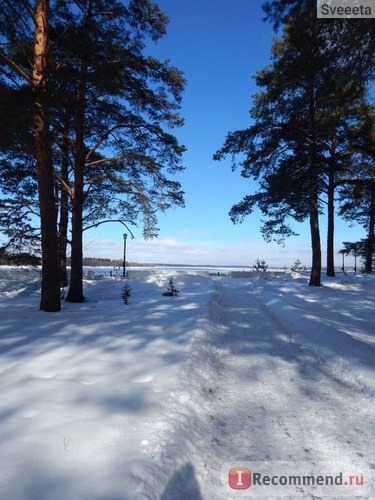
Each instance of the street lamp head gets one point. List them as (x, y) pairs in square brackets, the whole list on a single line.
[(125, 236)]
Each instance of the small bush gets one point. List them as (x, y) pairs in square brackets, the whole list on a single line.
[(125, 294), (260, 265), (297, 267), (171, 290)]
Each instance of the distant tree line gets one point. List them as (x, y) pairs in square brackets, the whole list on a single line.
[(358, 249), (19, 259), (86, 119), (311, 143), (98, 262)]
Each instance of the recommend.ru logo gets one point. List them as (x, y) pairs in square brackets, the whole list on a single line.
[(289, 478)]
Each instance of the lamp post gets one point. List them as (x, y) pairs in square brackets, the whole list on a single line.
[(343, 262), (124, 266)]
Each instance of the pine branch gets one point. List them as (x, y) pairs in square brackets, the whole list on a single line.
[(20, 72)]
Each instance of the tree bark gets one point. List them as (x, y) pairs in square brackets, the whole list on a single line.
[(370, 241), (64, 214), (316, 267), (331, 221), (50, 288), (75, 293), (315, 276)]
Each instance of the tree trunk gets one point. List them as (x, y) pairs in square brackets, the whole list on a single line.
[(50, 289), (370, 241), (316, 267), (315, 276), (75, 293), (63, 230), (64, 214), (331, 221)]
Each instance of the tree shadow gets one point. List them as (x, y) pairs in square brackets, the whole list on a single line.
[(183, 485), (265, 333)]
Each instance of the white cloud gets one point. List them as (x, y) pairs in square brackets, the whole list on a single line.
[(172, 250)]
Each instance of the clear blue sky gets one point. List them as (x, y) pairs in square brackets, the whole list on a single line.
[(219, 45)]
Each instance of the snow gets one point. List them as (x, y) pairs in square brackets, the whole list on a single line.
[(157, 399)]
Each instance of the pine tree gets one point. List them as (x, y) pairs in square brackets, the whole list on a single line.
[(120, 101), (297, 266), (292, 147), (20, 22), (171, 290), (260, 265), (110, 110), (358, 205)]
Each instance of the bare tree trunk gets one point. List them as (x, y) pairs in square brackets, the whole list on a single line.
[(370, 241), (331, 222), (50, 292), (315, 276), (64, 213), (75, 293), (316, 267)]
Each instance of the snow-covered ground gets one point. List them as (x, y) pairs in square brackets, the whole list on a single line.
[(157, 399)]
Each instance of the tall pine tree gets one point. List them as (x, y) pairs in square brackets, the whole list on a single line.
[(291, 148), (111, 110), (23, 27), (123, 104)]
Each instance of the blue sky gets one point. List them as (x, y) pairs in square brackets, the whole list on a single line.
[(219, 45)]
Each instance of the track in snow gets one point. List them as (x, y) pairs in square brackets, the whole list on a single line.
[(276, 397)]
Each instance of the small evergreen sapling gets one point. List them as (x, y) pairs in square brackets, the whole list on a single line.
[(125, 294), (171, 290), (260, 265), (298, 267)]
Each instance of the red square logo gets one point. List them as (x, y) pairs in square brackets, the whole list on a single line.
[(239, 478)]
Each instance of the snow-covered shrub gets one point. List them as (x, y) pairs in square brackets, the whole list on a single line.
[(260, 265)]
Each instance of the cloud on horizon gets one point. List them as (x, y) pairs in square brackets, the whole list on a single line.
[(171, 250)]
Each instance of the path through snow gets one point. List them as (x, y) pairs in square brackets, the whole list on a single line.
[(284, 391), (152, 400)]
